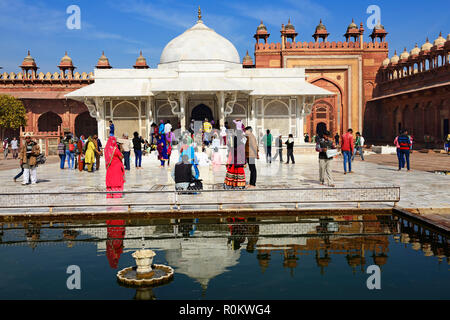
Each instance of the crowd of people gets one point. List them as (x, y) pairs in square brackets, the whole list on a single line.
[(81, 153), (199, 148)]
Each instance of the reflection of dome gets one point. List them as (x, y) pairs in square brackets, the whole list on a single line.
[(263, 261), (380, 260), (355, 260), (202, 260), (200, 44)]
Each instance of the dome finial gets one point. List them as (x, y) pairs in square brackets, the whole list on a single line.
[(199, 14)]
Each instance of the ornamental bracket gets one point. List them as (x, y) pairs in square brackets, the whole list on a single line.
[(171, 98), (230, 101), (90, 104)]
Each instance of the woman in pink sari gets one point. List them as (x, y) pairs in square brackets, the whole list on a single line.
[(115, 171)]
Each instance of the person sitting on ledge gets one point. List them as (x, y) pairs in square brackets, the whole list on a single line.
[(183, 173)]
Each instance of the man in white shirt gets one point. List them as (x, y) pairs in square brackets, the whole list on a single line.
[(127, 145), (15, 147), (359, 144), (203, 165), (167, 127)]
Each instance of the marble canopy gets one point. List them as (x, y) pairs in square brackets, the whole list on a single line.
[(200, 67)]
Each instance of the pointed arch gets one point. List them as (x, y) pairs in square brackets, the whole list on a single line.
[(49, 122), (335, 107)]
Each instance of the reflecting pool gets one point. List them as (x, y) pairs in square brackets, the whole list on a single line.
[(304, 257)]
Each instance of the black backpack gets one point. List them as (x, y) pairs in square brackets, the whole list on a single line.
[(41, 159), (196, 185)]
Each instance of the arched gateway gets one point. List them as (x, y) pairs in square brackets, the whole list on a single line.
[(200, 75)]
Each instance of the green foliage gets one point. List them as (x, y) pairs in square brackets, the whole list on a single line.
[(12, 113)]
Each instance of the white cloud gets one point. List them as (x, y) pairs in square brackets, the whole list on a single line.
[(159, 14), (35, 18), (302, 13), (19, 15)]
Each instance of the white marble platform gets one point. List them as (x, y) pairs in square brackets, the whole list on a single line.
[(418, 189)]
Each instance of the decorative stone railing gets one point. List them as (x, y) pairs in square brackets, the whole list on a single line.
[(46, 77), (212, 199)]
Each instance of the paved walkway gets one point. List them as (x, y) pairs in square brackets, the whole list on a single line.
[(11, 163), (419, 190), (429, 162)]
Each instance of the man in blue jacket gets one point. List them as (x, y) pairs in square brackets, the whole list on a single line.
[(405, 147)]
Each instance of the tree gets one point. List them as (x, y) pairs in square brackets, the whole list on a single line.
[(12, 113)]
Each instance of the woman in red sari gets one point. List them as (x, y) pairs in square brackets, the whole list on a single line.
[(235, 176), (115, 171), (80, 145)]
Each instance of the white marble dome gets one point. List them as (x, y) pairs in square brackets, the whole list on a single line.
[(200, 44)]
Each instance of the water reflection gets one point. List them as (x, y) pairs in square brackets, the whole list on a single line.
[(114, 244), (205, 248)]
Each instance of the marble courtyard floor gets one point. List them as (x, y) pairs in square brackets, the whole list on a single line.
[(422, 192)]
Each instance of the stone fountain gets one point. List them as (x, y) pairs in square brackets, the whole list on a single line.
[(145, 273)]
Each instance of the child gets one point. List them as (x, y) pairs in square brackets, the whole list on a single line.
[(169, 153), (290, 149), (162, 152)]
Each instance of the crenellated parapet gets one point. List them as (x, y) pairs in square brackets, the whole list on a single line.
[(47, 77), (321, 45), (66, 74)]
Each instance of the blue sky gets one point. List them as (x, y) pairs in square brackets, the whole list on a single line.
[(124, 27)]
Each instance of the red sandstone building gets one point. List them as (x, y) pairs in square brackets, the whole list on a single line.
[(373, 94)]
